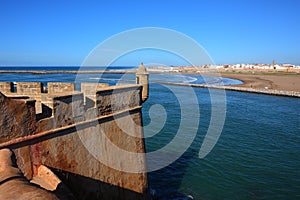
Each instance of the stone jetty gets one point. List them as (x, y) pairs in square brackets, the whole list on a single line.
[(240, 89)]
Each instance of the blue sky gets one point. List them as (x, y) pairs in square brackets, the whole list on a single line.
[(232, 31)]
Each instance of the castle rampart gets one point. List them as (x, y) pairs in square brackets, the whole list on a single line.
[(59, 131)]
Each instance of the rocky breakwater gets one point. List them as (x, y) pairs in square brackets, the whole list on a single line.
[(241, 89)]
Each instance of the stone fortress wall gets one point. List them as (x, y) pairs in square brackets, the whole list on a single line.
[(70, 132)]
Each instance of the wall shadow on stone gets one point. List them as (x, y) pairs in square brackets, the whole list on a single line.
[(46, 113), (96, 189), (54, 131)]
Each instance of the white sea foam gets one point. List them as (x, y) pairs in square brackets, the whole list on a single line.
[(108, 79), (190, 79)]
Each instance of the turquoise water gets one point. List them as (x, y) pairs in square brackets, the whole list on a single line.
[(256, 157)]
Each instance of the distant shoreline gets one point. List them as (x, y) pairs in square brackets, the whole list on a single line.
[(271, 83), (256, 79), (68, 71), (240, 89), (274, 83)]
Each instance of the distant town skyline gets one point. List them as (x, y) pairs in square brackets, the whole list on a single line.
[(65, 32)]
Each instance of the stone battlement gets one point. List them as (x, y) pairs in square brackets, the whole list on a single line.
[(35, 88), (52, 125), (62, 104), (42, 94)]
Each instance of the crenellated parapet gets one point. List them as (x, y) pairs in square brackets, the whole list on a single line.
[(6, 87), (35, 88), (70, 122), (59, 87)]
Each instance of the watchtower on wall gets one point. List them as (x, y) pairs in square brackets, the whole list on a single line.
[(142, 78), (54, 127)]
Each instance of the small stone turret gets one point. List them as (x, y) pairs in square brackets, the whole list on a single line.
[(142, 78)]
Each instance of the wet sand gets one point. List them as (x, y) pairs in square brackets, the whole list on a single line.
[(261, 81), (272, 83), (253, 79)]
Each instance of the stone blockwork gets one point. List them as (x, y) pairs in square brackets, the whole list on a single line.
[(78, 141), (6, 87), (17, 118), (68, 110), (89, 90), (114, 99), (36, 91), (29, 88), (60, 87)]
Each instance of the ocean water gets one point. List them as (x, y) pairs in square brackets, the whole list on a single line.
[(256, 157), (54, 68)]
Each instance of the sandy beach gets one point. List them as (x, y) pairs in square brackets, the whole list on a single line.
[(281, 80), (284, 82)]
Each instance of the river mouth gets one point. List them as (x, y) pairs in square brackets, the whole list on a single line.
[(256, 157)]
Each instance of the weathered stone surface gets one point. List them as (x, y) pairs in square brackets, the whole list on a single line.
[(80, 136), (60, 87), (92, 88), (14, 185), (142, 78), (23, 155), (116, 98), (17, 118), (29, 88), (46, 178), (69, 153), (6, 87), (68, 109), (46, 124), (89, 90)]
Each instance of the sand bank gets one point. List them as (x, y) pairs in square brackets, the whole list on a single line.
[(280, 84), (273, 82), (270, 79)]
